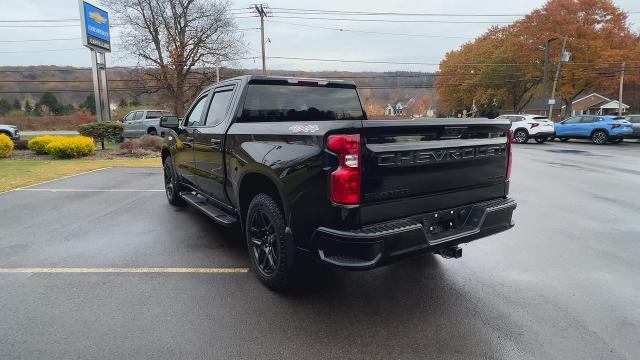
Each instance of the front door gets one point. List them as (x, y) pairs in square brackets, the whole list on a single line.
[(184, 157), (567, 127), (209, 144)]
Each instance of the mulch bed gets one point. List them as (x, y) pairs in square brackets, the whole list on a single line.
[(97, 155)]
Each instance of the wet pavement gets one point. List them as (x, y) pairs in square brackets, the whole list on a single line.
[(563, 284)]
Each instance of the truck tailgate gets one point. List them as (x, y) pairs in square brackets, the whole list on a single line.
[(415, 166)]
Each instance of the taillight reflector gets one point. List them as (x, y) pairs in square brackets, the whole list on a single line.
[(345, 180)]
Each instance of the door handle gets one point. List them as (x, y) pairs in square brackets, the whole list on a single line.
[(216, 141)]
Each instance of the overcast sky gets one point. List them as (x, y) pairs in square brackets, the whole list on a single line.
[(287, 40)]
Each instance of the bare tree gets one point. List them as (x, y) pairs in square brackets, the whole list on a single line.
[(177, 42)]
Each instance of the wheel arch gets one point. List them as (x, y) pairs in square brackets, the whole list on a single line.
[(599, 129), (256, 182)]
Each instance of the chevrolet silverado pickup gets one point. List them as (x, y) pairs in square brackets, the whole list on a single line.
[(307, 176)]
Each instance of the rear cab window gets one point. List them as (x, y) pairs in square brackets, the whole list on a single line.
[(279, 101), (154, 114)]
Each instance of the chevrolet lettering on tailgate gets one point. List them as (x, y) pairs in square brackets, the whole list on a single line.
[(410, 158)]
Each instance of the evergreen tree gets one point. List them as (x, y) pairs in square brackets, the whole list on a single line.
[(5, 107), (17, 105), (89, 104), (49, 100)]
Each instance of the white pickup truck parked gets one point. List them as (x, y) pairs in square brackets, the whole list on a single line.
[(143, 122)]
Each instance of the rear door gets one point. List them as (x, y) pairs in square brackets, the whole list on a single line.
[(209, 143), (587, 125), (184, 156), (412, 166), (136, 123)]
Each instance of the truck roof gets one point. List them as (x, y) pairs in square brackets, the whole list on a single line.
[(292, 79)]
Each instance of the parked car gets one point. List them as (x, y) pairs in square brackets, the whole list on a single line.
[(143, 122), (11, 131), (526, 126), (598, 128), (297, 164), (635, 123)]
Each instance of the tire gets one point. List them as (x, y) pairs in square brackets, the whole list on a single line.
[(271, 252), (599, 137), (563, 139), (541, 139), (152, 132), (521, 136), (172, 185)]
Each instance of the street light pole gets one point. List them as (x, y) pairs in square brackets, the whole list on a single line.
[(552, 100), (620, 93)]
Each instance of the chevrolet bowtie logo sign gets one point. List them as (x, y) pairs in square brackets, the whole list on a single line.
[(97, 17)]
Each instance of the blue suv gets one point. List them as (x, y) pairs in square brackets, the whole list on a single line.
[(598, 128)]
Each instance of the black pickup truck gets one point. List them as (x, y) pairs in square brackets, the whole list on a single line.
[(307, 176)]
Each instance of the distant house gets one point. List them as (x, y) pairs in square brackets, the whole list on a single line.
[(591, 104), (596, 104), (399, 109)]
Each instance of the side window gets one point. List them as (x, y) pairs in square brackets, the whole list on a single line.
[(634, 119), (193, 119), (153, 114), (219, 106), (572, 120), (138, 115), (129, 116)]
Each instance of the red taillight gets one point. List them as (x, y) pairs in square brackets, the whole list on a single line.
[(613, 126), (345, 180), (534, 125), (510, 154)]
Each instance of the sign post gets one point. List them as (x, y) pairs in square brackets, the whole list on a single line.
[(95, 35)]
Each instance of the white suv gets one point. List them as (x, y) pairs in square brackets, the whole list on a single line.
[(530, 126)]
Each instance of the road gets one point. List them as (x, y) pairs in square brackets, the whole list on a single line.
[(563, 284)]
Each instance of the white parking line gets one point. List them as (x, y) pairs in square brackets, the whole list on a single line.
[(48, 181), (92, 190), (71, 270)]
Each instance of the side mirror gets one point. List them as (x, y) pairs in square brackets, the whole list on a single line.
[(170, 122)]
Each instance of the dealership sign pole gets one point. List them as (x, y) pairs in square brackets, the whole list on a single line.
[(95, 35)]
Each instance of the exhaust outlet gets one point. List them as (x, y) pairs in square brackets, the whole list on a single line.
[(452, 252)]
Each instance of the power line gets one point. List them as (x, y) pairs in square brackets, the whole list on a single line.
[(36, 40), (371, 13), (370, 32), (393, 21)]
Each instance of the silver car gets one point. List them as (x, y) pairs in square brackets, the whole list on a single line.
[(635, 122), (143, 122), (11, 131)]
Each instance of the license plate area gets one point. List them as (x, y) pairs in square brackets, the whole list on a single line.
[(442, 224)]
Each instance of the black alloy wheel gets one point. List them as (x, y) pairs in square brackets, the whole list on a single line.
[(171, 187), (265, 246), (272, 254), (599, 137)]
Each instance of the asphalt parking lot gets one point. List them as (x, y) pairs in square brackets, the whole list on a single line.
[(563, 284)]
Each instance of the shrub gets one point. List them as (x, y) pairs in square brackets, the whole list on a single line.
[(71, 147), (102, 131), (130, 144), (150, 142), (6, 146), (39, 143), (20, 144)]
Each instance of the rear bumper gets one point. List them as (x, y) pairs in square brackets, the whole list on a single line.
[(544, 133), (379, 244)]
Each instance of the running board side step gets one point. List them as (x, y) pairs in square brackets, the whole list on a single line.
[(208, 209)]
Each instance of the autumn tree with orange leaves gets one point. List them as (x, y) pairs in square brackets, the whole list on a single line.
[(504, 67)]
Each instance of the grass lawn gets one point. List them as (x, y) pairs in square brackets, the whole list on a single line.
[(19, 173)]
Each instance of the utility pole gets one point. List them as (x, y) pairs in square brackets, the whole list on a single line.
[(545, 76), (552, 100), (218, 69), (620, 94), (260, 9)]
